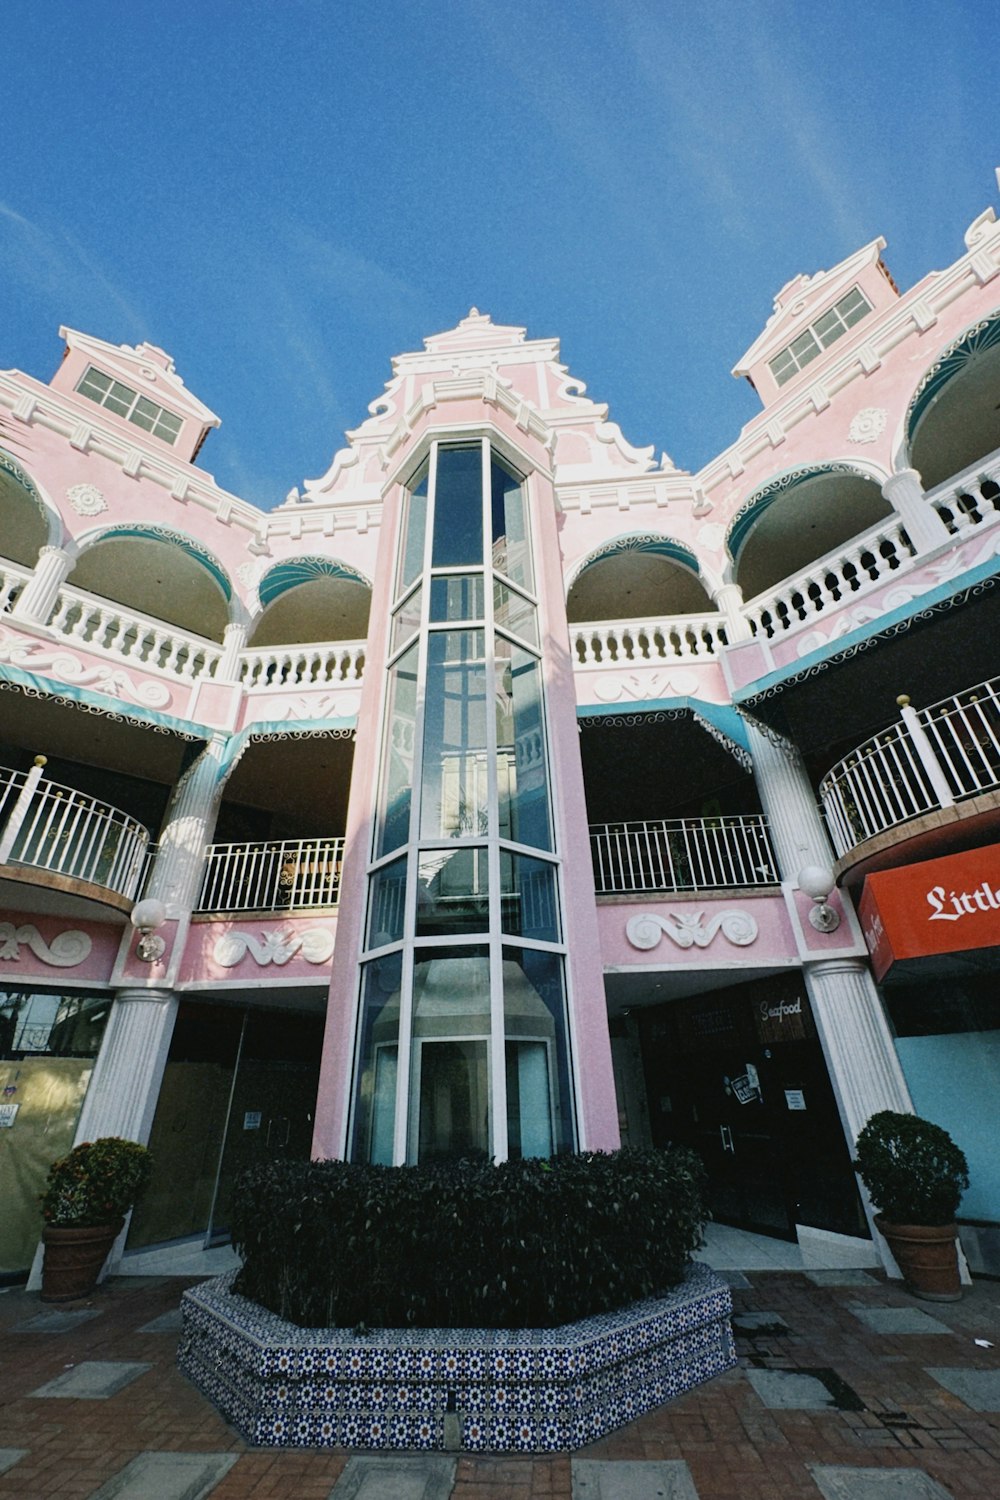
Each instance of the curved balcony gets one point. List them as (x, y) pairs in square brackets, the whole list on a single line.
[(279, 875), (70, 837), (683, 854), (933, 758)]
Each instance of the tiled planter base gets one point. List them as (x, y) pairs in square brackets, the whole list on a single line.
[(527, 1390)]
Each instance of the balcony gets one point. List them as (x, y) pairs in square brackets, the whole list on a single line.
[(286, 875), (683, 854), (934, 758), (72, 839)]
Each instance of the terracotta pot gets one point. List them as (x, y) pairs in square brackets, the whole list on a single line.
[(74, 1258), (928, 1258)]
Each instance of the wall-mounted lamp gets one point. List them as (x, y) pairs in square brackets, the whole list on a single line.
[(818, 881), (146, 916)]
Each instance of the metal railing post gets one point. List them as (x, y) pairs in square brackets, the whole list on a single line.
[(925, 753), (20, 809)]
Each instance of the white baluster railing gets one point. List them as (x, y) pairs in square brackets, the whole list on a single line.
[(12, 581), (683, 854), (965, 502), (616, 643), (141, 640), (838, 578), (889, 779), (69, 834), (310, 665), (285, 875)]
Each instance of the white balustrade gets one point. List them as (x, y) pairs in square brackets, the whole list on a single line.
[(12, 581), (100, 625), (635, 642), (838, 578), (76, 836), (285, 875), (966, 502), (683, 854), (885, 781), (312, 665)]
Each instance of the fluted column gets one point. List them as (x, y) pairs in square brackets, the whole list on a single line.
[(234, 638), (181, 854), (906, 495), (37, 599), (847, 1007), (728, 600)]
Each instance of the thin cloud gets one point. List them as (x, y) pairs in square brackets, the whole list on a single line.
[(58, 267)]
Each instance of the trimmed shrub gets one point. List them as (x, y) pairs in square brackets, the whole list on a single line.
[(527, 1244), (913, 1170)]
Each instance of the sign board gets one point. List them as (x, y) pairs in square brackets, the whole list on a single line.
[(8, 1114), (252, 1119), (947, 905)]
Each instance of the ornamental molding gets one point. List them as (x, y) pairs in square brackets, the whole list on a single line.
[(86, 499), (315, 946), (690, 930), (66, 950), (272, 736), (112, 681), (336, 705), (650, 684), (739, 752), (123, 717), (867, 425), (632, 721)]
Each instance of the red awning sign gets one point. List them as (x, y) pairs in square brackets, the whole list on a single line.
[(944, 905)]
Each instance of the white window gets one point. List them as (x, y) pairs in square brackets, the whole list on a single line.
[(820, 335), (97, 386)]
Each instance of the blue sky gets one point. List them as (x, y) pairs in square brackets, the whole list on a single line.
[(284, 195)]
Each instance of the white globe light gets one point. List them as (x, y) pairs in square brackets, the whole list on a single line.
[(817, 881), (148, 914)]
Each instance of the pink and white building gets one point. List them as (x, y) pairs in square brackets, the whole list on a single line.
[(509, 790)]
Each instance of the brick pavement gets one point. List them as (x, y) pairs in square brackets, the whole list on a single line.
[(882, 1409)]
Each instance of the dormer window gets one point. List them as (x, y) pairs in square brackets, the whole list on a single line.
[(820, 335), (97, 386)]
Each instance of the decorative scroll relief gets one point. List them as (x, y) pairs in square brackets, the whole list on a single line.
[(344, 705), (867, 425), (111, 681), (86, 499), (690, 930), (65, 951), (315, 946), (653, 684)]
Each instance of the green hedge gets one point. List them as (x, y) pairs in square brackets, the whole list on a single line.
[(522, 1245)]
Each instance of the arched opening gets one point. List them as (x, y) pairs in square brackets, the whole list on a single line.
[(954, 418), (312, 599), (638, 578), (23, 521), (170, 578), (799, 519)]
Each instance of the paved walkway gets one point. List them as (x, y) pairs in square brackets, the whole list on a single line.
[(848, 1389)]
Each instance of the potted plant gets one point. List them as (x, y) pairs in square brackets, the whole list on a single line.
[(87, 1196), (915, 1176)]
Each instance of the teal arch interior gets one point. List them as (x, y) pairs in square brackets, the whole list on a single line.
[(178, 539), (971, 343), (288, 575), (750, 513), (658, 546)]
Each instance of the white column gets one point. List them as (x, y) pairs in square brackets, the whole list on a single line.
[(234, 638), (906, 495), (728, 600), (37, 599), (14, 824), (125, 1083), (180, 859), (853, 1032)]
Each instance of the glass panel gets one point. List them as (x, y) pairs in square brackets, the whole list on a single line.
[(141, 419), (528, 897), (375, 1094), (120, 398), (57, 1025), (452, 896), (539, 1101), (522, 780), (454, 1102), (454, 792), (94, 384), (458, 507), (458, 597), (386, 901), (514, 613), (451, 991), (167, 426), (853, 307), (414, 531), (828, 328), (783, 367), (804, 348), (397, 769), (406, 620), (510, 540)]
